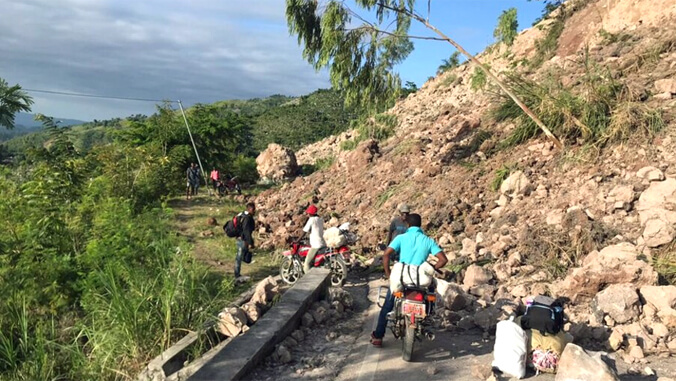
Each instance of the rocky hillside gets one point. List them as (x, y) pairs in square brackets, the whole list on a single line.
[(530, 217)]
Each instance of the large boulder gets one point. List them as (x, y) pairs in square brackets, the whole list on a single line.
[(657, 212), (614, 264), (276, 163), (576, 364), (619, 301)]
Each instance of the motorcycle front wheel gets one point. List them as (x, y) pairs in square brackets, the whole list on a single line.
[(290, 270), (338, 268), (407, 342)]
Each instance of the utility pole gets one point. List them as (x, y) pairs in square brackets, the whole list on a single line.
[(204, 175)]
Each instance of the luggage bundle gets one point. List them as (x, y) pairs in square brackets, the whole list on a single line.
[(543, 335), (411, 276)]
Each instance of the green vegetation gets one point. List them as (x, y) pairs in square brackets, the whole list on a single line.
[(320, 164), (449, 64), (664, 261), (448, 80), (95, 280), (12, 100), (505, 31), (604, 111), (379, 127), (360, 57), (500, 175), (478, 79), (545, 48), (305, 120)]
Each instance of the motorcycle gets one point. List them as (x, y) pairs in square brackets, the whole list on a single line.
[(228, 186), (410, 318), (333, 258)]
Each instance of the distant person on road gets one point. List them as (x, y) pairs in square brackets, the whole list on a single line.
[(413, 247), (193, 180), (398, 226), (315, 227), (215, 176), (245, 242)]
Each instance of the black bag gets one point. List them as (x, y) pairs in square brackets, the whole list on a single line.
[(544, 315), (233, 228), (247, 257)]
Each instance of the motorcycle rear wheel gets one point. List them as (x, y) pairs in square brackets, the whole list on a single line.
[(290, 271), (407, 342)]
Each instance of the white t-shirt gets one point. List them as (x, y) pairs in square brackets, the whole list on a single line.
[(315, 226)]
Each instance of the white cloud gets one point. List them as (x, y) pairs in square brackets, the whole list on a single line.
[(199, 51)]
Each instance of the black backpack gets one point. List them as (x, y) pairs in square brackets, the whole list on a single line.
[(544, 314), (233, 228)]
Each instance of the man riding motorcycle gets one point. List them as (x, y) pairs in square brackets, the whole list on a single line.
[(413, 247)]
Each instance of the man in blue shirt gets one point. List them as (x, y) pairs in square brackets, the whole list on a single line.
[(413, 248)]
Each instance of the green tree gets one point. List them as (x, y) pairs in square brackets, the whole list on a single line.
[(451, 63), (505, 31), (409, 87), (361, 57), (12, 100)]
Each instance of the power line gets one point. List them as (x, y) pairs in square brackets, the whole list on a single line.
[(98, 96)]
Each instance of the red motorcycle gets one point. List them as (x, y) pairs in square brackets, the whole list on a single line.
[(228, 186), (333, 258)]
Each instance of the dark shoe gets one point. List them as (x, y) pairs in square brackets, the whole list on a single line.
[(378, 343)]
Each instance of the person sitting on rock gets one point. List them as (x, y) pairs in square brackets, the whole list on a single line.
[(413, 247), (315, 227)]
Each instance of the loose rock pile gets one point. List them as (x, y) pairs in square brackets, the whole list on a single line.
[(236, 320)]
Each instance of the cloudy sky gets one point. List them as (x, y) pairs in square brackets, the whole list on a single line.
[(193, 50)]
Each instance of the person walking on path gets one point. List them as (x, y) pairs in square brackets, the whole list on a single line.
[(414, 247), (315, 227), (193, 180), (215, 176), (245, 242)]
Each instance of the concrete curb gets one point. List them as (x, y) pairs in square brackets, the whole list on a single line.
[(170, 364), (246, 351)]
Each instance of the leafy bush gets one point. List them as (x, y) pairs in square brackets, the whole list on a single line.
[(245, 169), (505, 31)]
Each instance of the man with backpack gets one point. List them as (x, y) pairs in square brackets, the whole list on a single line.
[(398, 226), (242, 227), (193, 180)]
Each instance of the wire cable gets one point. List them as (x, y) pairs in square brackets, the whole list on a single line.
[(98, 96)]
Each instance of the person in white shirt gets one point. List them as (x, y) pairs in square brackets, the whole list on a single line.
[(315, 227)]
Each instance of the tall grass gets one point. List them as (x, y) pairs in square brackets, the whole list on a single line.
[(602, 111)]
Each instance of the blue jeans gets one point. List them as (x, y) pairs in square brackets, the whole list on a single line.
[(243, 253), (388, 306)]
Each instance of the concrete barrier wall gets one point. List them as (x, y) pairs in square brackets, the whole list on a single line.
[(244, 352)]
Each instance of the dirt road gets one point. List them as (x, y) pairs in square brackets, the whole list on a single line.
[(342, 352)]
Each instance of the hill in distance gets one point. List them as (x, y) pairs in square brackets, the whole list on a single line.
[(25, 120)]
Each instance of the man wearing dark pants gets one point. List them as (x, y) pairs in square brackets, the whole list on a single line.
[(413, 247), (245, 241)]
